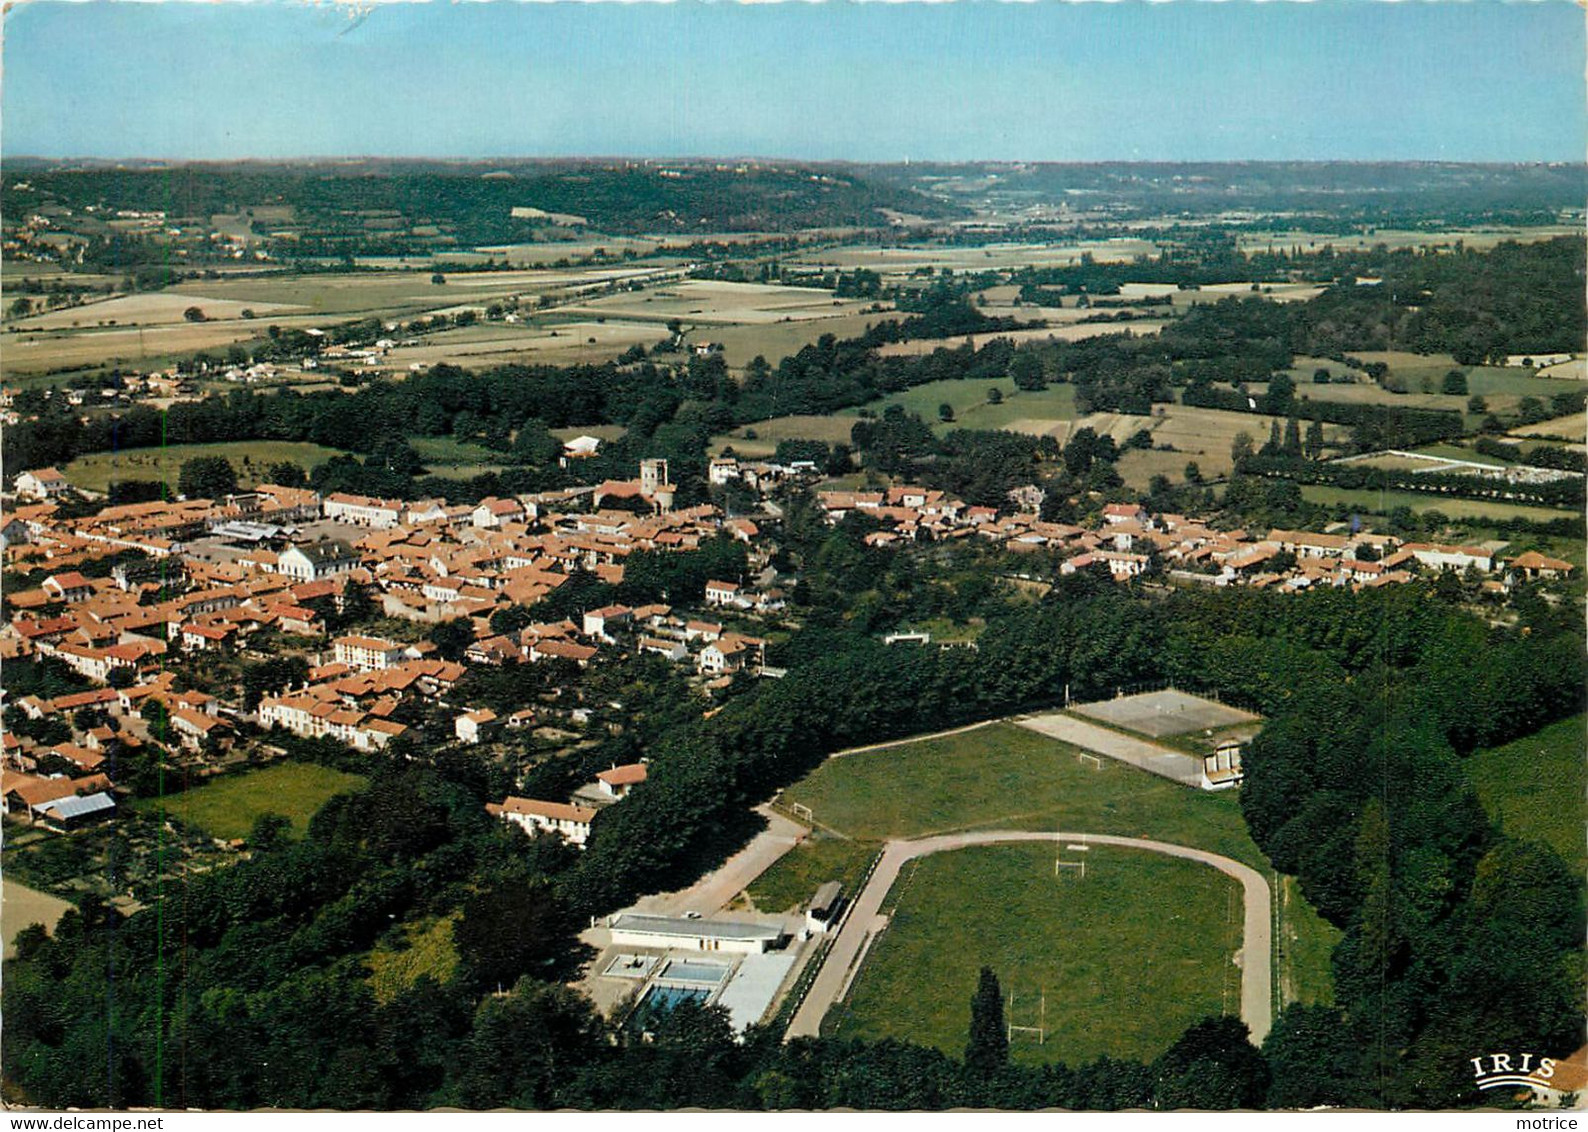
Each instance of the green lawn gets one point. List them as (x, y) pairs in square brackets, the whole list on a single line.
[(1302, 950), (794, 879), (1533, 788), (447, 451), (1126, 958), (251, 458), (971, 408), (229, 806), (1005, 777)]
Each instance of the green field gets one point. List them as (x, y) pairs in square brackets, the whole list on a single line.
[(971, 409), (797, 875), (251, 458), (1304, 943), (1533, 788), (1006, 777), (228, 807), (1126, 958), (1383, 502)]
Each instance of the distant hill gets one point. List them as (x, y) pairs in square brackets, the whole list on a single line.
[(470, 204), (1368, 189)]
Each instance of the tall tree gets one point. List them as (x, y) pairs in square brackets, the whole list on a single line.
[(988, 1048)]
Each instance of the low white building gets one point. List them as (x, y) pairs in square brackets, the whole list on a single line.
[(532, 815), (630, 929)]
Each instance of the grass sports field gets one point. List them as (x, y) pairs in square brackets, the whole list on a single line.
[(1005, 777), (1126, 958), (228, 807), (251, 458), (1533, 788)]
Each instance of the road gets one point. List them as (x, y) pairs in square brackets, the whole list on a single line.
[(865, 920), (1177, 766), (714, 891)]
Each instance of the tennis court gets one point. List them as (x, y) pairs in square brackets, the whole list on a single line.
[(1169, 712)]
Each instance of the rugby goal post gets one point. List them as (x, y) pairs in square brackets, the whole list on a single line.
[(801, 810)]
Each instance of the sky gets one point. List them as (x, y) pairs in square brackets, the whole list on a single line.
[(1189, 80)]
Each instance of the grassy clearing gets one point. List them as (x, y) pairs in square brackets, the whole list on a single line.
[(830, 429), (448, 451), (1533, 788), (228, 807), (1383, 502), (1128, 958), (1306, 941), (426, 949), (251, 458), (790, 883)]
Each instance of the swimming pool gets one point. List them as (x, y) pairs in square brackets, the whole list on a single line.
[(693, 971), (665, 998)]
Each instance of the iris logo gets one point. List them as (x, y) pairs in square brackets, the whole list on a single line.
[(1499, 1070)]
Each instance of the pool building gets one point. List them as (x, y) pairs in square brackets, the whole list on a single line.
[(631, 929)]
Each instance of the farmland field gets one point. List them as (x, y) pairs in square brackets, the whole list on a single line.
[(502, 343), (251, 458), (829, 429), (228, 807), (903, 260), (35, 353), (777, 340), (1126, 958), (1533, 788), (1070, 332), (1383, 502), (701, 302), (1043, 410), (146, 310), (1480, 238), (1574, 426)]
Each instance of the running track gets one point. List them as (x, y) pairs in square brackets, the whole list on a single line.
[(864, 920)]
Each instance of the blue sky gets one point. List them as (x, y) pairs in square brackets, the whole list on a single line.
[(1189, 80)]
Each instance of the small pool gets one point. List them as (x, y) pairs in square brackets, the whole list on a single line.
[(665, 998), (687, 971)]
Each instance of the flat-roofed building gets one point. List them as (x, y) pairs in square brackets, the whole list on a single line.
[(631, 929)]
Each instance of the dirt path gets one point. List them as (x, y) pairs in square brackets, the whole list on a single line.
[(864, 920), (21, 906), (914, 739), (1165, 762), (714, 891)]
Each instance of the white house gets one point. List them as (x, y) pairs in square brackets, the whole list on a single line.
[(45, 483), (474, 726), (320, 560), (532, 815), (617, 782), (368, 652)]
